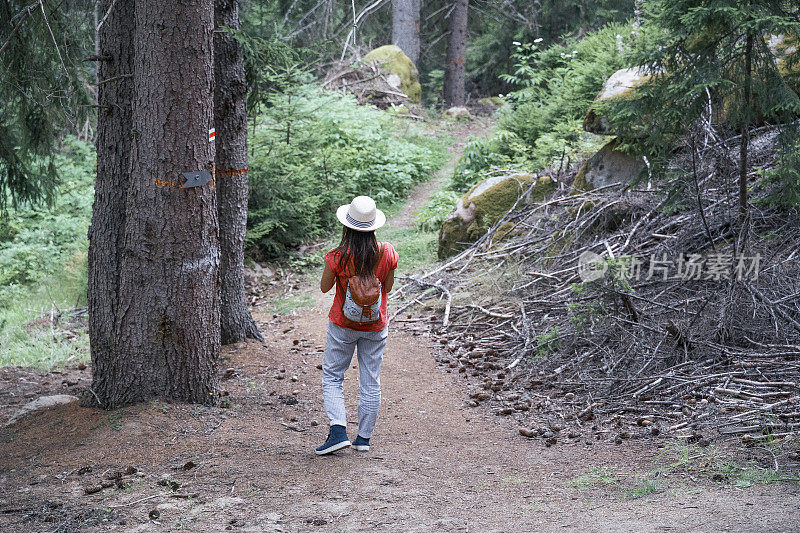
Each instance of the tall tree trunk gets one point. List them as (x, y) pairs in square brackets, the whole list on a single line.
[(167, 336), (405, 27), (454, 74), (96, 23), (230, 121), (114, 128), (748, 73)]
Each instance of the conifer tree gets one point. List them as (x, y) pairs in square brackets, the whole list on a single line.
[(40, 92), (700, 48)]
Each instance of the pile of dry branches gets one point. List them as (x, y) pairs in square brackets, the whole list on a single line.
[(367, 82), (628, 356)]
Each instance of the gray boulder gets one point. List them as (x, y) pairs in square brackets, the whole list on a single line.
[(40, 403), (607, 166), (620, 85)]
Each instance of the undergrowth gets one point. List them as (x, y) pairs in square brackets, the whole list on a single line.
[(313, 150), (540, 126), (43, 268)]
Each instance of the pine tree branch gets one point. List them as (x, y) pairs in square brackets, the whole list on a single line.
[(106, 15), (24, 14), (58, 51)]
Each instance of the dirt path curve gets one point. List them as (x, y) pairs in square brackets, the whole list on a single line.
[(461, 133), (436, 464)]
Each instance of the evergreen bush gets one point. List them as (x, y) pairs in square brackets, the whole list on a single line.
[(313, 150)]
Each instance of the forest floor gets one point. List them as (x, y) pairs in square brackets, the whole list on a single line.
[(436, 464)]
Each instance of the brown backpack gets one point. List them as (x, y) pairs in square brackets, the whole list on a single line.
[(362, 296)]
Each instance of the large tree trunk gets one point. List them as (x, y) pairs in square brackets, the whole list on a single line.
[(114, 127), (166, 332), (230, 119), (454, 74), (405, 27)]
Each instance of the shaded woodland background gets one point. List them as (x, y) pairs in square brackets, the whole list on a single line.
[(703, 107)]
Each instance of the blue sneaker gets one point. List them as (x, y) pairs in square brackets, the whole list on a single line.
[(337, 439), (361, 444)]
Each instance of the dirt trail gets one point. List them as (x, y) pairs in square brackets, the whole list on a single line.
[(436, 464), (461, 133)]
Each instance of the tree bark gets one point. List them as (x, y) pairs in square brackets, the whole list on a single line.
[(454, 75), (166, 328), (230, 121), (748, 72), (405, 27), (114, 127)]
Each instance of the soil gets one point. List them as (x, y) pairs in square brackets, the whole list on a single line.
[(461, 131), (436, 464)]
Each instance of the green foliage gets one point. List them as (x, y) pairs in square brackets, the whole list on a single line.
[(557, 85), (42, 91), (595, 477), (783, 182), (696, 49), (43, 267), (480, 156), (546, 343), (39, 241), (642, 488), (433, 87), (431, 215), (750, 474), (541, 125), (271, 66), (314, 150)]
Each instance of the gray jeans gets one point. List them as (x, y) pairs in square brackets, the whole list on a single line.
[(339, 347)]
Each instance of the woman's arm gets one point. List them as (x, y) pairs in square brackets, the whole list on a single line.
[(328, 279), (389, 281)]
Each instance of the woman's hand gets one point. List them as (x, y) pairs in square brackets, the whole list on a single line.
[(328, 279)]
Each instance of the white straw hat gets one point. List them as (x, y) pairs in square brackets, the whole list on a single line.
[(361, 214)]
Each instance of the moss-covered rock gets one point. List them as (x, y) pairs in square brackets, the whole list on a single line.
[(609, 165), (401, 69), (497, 101), (620, 85), (398, 109), (785, 50), (483, 205), (458, 113)]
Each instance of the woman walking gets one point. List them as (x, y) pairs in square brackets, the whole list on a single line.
[(362, 269)]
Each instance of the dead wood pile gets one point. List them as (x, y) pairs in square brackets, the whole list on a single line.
[(367, 82), (629, 356)]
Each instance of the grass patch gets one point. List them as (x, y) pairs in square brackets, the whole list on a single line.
[(115, 420), (596, 477), (417, 249), (750, 474), (26, 336), (710, 463), (546, 343), (513, 480), (284, 306), (644, 487)]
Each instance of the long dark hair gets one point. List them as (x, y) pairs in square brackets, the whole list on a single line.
[(359, 248)]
